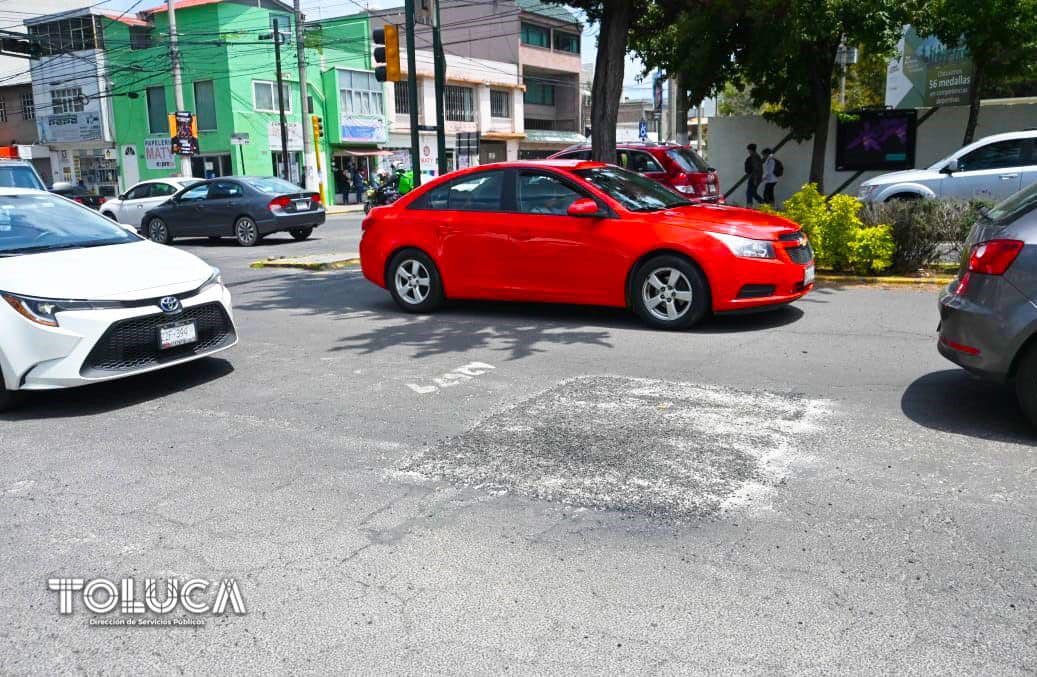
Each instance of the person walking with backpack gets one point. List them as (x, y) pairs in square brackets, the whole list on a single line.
[(754, 175), (772, 171)]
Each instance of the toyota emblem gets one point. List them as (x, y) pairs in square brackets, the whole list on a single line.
[(170, 305)]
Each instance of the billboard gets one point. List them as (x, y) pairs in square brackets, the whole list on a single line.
[(882, 140), (926, 73)]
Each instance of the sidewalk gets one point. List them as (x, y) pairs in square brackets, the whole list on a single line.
[(335, 210)]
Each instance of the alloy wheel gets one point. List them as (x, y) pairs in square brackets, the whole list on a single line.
[(246, 231), (413, 282), (667, 294), (157, 231)]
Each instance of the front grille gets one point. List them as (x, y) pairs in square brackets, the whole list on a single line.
[(131, 345), (802, 254), (756, 291)]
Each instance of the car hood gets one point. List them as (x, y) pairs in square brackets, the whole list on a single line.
[(123, 272), (905, 176), (731, 220)]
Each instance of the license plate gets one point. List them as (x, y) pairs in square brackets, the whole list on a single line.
[(174, 335), (808, 276), (302, 205)]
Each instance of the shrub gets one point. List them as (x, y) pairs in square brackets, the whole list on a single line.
[(872, 249), (807, 208), (840, 231), (923, 231)]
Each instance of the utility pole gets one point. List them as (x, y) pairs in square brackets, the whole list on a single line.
[(178, 84), (277, 37), (309, 158), (412, 94), (440, 72)]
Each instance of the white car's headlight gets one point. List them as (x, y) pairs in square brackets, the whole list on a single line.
[(215, 280), (746, 247), (45, 311)]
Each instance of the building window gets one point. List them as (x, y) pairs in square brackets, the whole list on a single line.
[(402, 96), (264, 100), (205, 104), (500, 103), (66, 35), (28, 106), (460, 104), (158, 114), (67, 100), (3, 110), (536, 36), (540, 93), (567, 42), (360, 93), (534, 123), (142, 37), (309, 105)]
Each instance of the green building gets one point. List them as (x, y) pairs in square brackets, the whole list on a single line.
[(229, 82)]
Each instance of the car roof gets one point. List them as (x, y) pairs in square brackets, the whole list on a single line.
[(556, 164), (23, 191)]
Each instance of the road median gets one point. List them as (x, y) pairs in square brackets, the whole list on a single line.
[(333, 261), (931, 280)]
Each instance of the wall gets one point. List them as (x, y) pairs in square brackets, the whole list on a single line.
[(18, 128), (939, 136)]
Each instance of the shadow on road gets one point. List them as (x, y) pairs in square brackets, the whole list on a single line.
[(521, 329), (112, 395), (954, 402)]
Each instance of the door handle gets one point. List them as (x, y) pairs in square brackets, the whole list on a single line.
[(1006, 177)]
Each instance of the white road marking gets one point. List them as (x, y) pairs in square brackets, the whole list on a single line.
[(452, 378)]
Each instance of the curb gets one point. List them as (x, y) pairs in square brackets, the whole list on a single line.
[(897, 280), (305, 265), (339, 210)]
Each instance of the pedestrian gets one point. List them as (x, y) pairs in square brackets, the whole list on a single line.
[(772, 171), (358, 184), (754, 175)]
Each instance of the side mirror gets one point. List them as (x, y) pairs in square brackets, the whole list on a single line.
[(123, 196), (585, 207), (950, 167)]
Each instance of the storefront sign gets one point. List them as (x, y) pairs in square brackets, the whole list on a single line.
[(926, 73), (294, 136), (69, 127), (158, 154), (429, 157), (357, 129), (239, 139)]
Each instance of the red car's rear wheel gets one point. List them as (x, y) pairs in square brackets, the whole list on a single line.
[(413, 280)]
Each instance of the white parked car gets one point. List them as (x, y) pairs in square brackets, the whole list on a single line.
[(83, 300), (130, 207), (989, 169)]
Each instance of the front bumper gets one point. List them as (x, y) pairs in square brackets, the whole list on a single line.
[(745, 284), (79, 351)]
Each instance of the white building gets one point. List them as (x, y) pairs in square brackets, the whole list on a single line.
[(481, 96)]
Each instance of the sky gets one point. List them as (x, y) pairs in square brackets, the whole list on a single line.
[(327, 8)]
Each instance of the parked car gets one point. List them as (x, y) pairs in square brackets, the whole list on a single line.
[(990, 169), (130, 207), (570, 231), (19, 174), (244, 207), (679, 167), (85, 300), (78, 194), (988, 316)]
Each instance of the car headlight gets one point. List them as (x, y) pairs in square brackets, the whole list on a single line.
[(866, 191), (45, 311), (215, 280), (746, 247)]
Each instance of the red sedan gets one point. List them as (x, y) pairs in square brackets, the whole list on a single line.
[(569, 231)]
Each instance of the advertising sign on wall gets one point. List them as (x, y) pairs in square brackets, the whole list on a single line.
[(927, 73), (183, 133), (69, 127), (294, 136), (158, 154), (881, 140), (357, 129)]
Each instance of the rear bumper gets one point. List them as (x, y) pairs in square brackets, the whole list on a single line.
[(279, 222)]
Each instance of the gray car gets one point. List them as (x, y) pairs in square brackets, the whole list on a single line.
[(988, 316)]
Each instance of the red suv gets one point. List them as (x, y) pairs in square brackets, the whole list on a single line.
[(678, 167)]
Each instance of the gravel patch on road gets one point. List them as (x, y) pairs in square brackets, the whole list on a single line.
[(662, 449)]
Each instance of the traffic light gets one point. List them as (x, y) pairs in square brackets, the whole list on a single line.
[(318, 126), (387, 53)]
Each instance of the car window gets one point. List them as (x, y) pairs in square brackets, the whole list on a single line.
[(19, 176), (998, 155), (544, 194), (139, 192), (642, 162), (476, 193), (635, 192), (199, 192), (1015, 206), (162, 189), (36, 222), (224, 189), (688, 160), (270, 185), (576, 155)]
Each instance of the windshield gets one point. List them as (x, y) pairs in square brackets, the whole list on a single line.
[(688, 160), (39, 223), (1007, 211), (631, 190), (20, 176), (273, 186)]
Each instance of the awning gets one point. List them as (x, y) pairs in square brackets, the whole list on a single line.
[(364, 153), (554, 137)]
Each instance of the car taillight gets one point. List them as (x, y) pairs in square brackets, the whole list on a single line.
[(993, 257), (79, 200), (315, 200), (102, 200), (279, 203)]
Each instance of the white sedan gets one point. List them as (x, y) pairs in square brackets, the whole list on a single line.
[(84, 300), (130, 207)]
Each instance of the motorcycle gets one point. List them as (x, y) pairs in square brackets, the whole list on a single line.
[(380, 195)]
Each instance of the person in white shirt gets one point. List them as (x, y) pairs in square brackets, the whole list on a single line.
[(770, 179)]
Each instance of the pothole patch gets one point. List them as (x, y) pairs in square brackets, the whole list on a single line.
[(662, 449)]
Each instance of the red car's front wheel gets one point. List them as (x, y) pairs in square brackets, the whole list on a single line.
[(669, 292)]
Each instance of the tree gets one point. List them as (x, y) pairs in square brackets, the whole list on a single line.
[(1001, 36), (866, 80)]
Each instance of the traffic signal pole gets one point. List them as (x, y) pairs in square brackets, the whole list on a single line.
[(412, 94), (440, 72)]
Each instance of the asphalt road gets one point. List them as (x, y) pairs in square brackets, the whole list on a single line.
[(534, 489)]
